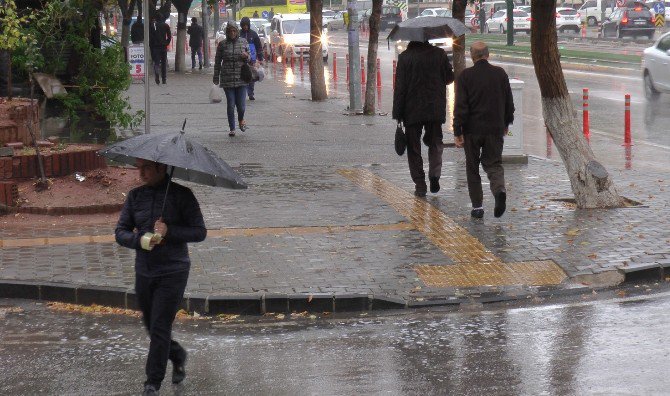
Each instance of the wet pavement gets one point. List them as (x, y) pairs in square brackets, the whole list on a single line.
[(601, 347), (330, 210)]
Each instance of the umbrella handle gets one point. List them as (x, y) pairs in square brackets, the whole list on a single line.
[(168, 187)]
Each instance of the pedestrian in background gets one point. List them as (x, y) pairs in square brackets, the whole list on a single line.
[(483, 111), (195, 41), (255, 14), (160, 37), (420, 102), (255, 50), (231, 54), (271, 14), (162, 264)]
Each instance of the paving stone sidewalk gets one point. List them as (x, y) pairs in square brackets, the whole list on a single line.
[(307, 227)]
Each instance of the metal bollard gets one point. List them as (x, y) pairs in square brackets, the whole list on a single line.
[(585, 113), (627, 139), (379, 73), (362, 70)]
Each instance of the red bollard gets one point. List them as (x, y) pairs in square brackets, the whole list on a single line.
[(301, 61), (292, 61), (628, 155), (395, 65), (627, 140), (583, 30), (347, 63), (362, 70), (585, 112), (379, 73), (334, 66)]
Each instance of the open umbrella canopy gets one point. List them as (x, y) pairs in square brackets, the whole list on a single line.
[(191, 161), (427, 28)]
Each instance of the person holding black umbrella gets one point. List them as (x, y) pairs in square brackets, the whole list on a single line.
[(158, 219), (420, 102)]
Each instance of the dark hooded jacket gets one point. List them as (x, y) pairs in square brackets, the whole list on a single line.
[(182, 216), (422, 75), (252, 37), (196, 36)]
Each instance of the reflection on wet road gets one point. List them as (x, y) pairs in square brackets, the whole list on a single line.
[(606, 347)]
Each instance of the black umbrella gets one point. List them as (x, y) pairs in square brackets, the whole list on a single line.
[(187, 160), (427, 28)]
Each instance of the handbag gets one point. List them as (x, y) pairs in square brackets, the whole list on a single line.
[(246, 74), (261, 73), (400, 140), (215, 94)]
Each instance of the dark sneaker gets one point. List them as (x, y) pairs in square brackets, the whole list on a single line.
[(178, 371), (252, 97), (434, 184), (243, 127), (501, 204), (231, 133), (477, 213), (164, 82), (150, 390), (420, 193), (158, 81), (200, 67)]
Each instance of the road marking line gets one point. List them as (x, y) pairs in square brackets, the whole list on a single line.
[(221, 233), (475, 265)]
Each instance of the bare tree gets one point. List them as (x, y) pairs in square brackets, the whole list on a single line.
[(316, 78), (374, 23), (458, 12), (590, 181), (182, 7)]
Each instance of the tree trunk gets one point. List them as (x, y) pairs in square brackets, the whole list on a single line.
[(590, 181), (316, 78), (179, 53), (369, 106), (9, 75), (127, 8), (458, 12)]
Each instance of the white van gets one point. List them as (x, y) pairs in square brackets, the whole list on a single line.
[(491, 7), (591, 11), (290, 35)]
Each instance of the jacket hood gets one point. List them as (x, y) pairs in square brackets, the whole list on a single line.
[(245, 21)]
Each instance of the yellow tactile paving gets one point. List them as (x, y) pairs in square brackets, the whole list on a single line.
[(475, 265), (230, 232)]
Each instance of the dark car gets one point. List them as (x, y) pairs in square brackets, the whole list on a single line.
[(391, 16), (629, 21)]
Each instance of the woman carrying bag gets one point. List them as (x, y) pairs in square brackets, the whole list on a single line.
[(231, 54)]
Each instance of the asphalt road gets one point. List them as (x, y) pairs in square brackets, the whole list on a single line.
[(614, 346)]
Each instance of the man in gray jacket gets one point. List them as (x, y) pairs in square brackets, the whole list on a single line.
[(161, 263)]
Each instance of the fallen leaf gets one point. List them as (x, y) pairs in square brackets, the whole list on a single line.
[(572, 232)]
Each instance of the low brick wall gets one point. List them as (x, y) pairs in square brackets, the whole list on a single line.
[(9, 193), (55, 164), (14, 117)]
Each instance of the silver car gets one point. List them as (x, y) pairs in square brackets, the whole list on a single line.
[(656, 68)]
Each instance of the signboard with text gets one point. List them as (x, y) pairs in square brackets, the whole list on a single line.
[(136, 60)]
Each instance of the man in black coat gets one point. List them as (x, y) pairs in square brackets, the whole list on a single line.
[(252, 38), (162, 263), (160, 37), (196, 38), (483, 111), (420, 102)]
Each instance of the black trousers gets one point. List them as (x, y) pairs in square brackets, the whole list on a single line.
[(432, 139), (159, 299), (487, 150), (159, 58)]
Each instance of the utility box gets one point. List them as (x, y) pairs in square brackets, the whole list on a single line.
[(513, 147)]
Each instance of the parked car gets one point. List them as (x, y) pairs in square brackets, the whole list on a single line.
[(447, 44), (391, 16), (291, 34), (568, 19), (468, 18), (638, 21), (524, 8), (221, 33), (591, 11), (337, 21), (327, 16), (656, 68), (265, 35), (498, 22), (435, 12)]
